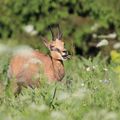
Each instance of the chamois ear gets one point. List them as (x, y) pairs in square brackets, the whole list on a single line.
[(46, 43)]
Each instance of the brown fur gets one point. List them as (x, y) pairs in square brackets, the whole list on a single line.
[(26, 69)]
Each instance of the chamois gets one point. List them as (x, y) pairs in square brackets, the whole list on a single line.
[(26, 67)]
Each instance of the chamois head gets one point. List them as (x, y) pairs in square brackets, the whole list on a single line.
[(56, 46)]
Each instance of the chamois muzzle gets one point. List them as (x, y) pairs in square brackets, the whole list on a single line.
[(65, 55)]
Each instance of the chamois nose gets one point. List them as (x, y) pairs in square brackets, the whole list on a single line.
[(65, 52), (65, 55)]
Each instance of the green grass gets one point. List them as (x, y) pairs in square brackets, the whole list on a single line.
[(89, 91)]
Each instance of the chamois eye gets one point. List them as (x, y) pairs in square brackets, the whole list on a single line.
[(56, 49), (52, 47)]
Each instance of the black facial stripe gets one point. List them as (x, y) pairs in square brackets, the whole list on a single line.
[(56, 49)]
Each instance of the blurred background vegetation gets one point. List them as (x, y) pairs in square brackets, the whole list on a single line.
[(91, 87), (84, 23)]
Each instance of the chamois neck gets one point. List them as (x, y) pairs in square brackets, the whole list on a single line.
[(56, 60), (58, 68)]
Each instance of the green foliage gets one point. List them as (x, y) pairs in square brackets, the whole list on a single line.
[(76, 18), (90, 88), (91, 91)]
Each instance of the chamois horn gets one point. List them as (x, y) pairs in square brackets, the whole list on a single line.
[(59, 32), (53, 38)]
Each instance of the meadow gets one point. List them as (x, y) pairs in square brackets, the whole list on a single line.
[(89, 91), (91, 32)]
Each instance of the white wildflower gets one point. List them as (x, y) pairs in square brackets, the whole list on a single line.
[(57, 115), (30, 30), (116, 45), (63, 96), (95, 27), (4, 48), (40, 108), (105, 69), (43, 107), (100, 81), (94, 35), (112, 35), (82, 84), (109, 36), (100, 115), (111, 116), (94, 67), (105, 81), (80, 93), (88, 69), (103, 42), (91, 68)]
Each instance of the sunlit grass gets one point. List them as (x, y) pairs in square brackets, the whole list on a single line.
[(89, 90)]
